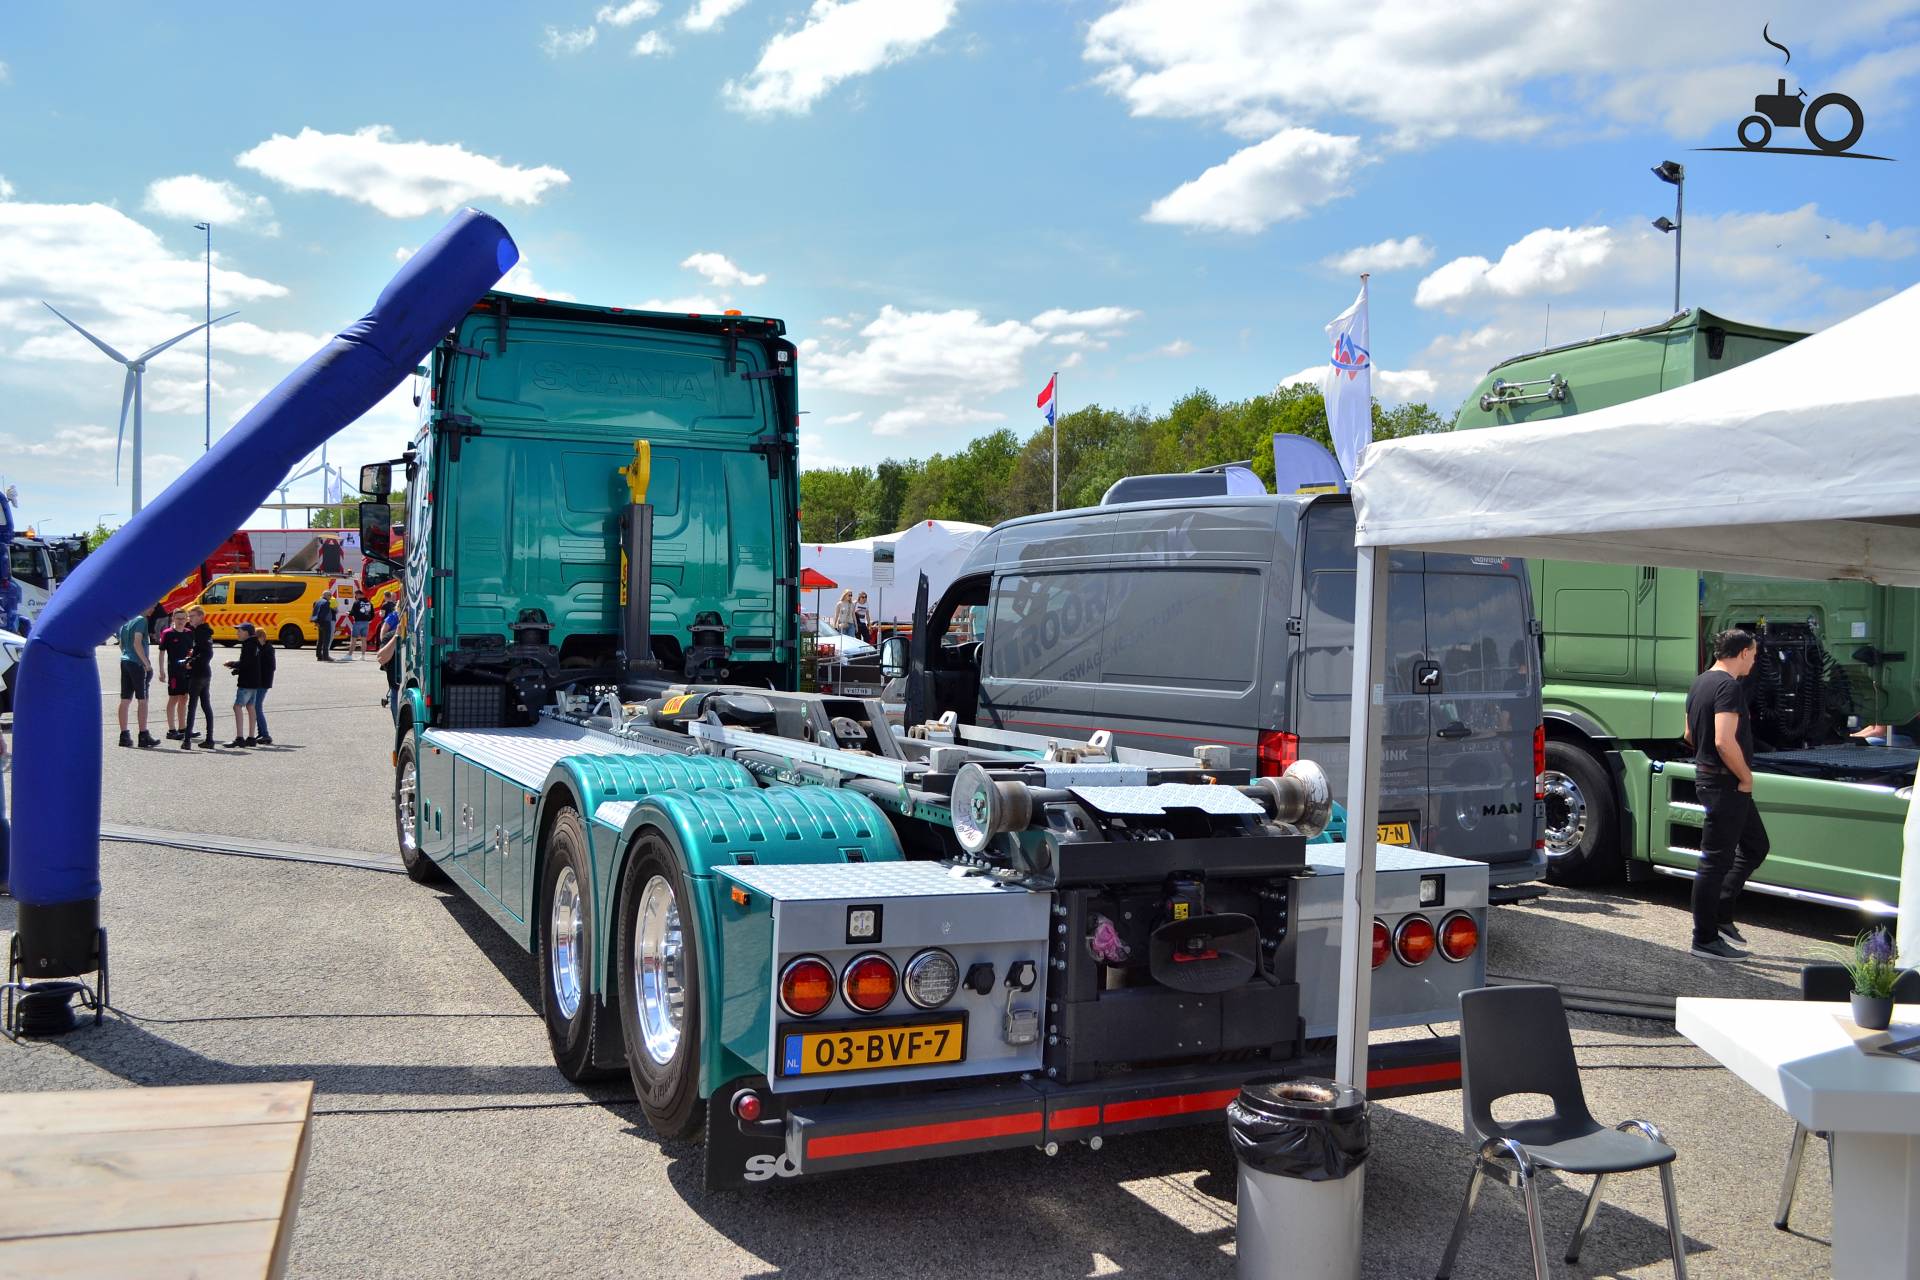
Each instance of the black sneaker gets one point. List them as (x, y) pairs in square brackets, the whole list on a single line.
[(264, 740), (1733, 935), (248, 742), (236, 743), (174, 735), (126, 739), (1718, 949), (148, 740), (186, 744), (208, 745)]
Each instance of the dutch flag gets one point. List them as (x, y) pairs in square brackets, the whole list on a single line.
[(1046, 398)]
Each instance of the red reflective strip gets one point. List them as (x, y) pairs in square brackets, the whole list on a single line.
[(835, 1146), (1174, 1104), (1430, 1073), (1075, 1118)]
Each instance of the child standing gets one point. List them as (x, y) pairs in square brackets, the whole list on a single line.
[(246, 670)]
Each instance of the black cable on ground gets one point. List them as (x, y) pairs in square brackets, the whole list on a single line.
[(277, 1017), (485, 1106)]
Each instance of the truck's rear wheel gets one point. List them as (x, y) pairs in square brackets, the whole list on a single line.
[(565, 922), (406, 810), (1582, 831), (658, 966), (290, 637)]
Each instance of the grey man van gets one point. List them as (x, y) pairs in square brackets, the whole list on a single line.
[(1230, 620)]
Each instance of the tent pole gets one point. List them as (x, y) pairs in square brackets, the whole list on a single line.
[(1368, 712)]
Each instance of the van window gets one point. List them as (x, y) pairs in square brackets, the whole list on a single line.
[(1047, 627), (1477, 631), (267, 592), (1326, 657), (216, 594), (1182, 628)]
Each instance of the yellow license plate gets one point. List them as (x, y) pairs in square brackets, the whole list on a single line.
[(808, 1053), (1395, 833)]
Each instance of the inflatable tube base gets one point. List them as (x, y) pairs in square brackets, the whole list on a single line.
[(59, 940)]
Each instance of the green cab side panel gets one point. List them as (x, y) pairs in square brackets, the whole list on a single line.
[(726, 828)]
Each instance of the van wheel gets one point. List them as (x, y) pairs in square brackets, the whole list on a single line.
[(565, 922), (406, 826), (658, 966), (290, 637), (1582, 826)]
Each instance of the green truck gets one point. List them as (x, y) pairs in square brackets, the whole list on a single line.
[(1622, 643), (818, 939)]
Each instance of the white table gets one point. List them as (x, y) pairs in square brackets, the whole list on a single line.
[(1801, 1057)]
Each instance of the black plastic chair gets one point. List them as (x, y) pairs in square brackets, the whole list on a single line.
[(1514, 1040), (1829, 983)]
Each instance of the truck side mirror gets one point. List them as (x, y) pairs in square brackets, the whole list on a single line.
[(893, 657), (376, 480), (376, 529)]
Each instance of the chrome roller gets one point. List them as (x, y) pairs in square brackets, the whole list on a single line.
[(1301, 797), (984, 808)]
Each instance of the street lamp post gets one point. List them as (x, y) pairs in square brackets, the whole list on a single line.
[(1676, 174)]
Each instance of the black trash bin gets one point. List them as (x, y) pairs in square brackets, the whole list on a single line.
[(1302, 1149)]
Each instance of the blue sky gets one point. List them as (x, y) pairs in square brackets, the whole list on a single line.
[(946, 200)]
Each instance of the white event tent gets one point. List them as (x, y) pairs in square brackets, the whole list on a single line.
[(1799, 465), (936, 548)]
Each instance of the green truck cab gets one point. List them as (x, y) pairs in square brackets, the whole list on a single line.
[(1622, 644)]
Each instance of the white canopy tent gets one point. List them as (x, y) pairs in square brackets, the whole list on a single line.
[(936, 548), (1798, 465)]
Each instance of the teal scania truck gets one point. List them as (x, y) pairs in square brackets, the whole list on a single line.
[(816, 938), (1622, 643)]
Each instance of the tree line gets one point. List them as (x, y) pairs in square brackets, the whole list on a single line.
[(998, 476)]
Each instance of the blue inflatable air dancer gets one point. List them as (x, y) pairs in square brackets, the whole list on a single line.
[(56, 774)]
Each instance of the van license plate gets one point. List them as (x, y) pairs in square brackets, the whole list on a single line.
[(1395, 833), (821, 1052)]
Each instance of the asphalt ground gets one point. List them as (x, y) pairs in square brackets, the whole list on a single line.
[(445, 1144)]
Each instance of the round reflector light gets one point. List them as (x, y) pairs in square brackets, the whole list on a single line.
[(869, 983), (1459, 936), (1413, 941), (931, 978), (1381, 944), (806, 986)]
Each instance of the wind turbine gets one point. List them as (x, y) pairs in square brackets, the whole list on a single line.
[(130, 395)]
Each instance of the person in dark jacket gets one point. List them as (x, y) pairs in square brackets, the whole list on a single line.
[(267, 664), (325, 613), (199, 676), (246, 670)]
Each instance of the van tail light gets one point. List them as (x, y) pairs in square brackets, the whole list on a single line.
[(1381, 944), (1539, 755), (1276, 752), (1459, 936), (1414, 940)]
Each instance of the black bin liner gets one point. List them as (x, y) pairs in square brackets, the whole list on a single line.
[(1306, 1128)]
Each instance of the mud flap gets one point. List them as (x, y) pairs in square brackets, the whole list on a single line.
[(739, 1155)]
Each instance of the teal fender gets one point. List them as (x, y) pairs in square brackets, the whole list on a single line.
[(716, 828)]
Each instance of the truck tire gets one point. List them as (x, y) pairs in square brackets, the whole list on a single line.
[(406, 828), (565, 924), (290, 637), (658, 966), (1582, 825)]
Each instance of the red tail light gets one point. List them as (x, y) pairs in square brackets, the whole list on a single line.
[(806, 987), (1459, 936), (1381, 944), (1539, 755), (1413, 941), (1276, 751), (869, 983)]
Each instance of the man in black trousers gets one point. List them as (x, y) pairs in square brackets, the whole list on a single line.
[(1734, 842), (324, 613)]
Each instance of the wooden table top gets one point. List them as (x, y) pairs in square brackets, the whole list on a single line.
[(197, 1181)]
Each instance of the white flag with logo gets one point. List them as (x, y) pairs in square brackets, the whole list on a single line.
[(334, 488), (1349, 385)]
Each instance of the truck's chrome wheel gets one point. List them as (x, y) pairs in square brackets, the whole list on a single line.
[(660, 994), (406, 801), (567, 946), (1566, 818)]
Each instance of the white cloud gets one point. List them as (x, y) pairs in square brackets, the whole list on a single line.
[(284, 346), (1388, 255), (843, 419), (625, 15), (1175, 349), (651, 44), (721, 272), (1078, 340), (1272, 181), (836, 322), (520, 280), (840, 39), (6, 189), (705, 15), (1091, 318), (814, 453), (559, 44), (1427, 71), (1550, 260), (1390, 386), (928, 353), (400, 179), (5, 73), (192, 198), (697, 303), (924, 415)]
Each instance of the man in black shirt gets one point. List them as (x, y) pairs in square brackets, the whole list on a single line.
[(199, 676), (1733, 842)]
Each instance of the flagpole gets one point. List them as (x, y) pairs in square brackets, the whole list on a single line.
[(1056, 439)]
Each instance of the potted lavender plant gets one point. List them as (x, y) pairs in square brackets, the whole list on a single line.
[(1870, 964)]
